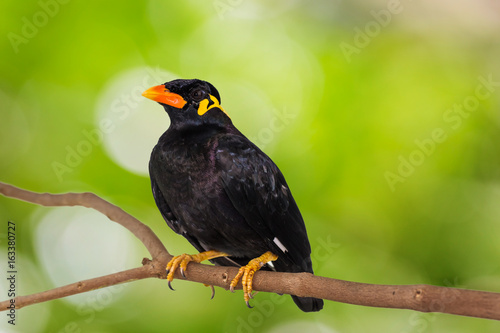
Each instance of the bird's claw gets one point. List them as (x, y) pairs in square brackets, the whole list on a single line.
[(178, 262), (183, 260), (213, 292), (182, 273), (247, 272)]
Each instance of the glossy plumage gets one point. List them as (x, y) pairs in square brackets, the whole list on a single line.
[(220, 191)]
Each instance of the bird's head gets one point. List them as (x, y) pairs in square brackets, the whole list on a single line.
[(189, 102)]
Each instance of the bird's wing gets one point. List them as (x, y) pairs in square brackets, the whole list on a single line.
[(258, 191), (169, 217), (164, 208)]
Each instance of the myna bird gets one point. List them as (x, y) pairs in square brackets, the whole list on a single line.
[(222, 193)]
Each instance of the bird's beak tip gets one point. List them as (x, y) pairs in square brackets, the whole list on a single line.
[(162, 95)]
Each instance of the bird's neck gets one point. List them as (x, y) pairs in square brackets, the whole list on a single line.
[(195, 133)]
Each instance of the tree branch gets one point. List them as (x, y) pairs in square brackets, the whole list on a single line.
[(90, 200), (424, 298)]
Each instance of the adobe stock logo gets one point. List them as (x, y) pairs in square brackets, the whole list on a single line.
[(323, 251), (225, 6), (454, 118), (122, 107), (32, 25), (278, 122), (89, 309), (363, 37), (422, 322)]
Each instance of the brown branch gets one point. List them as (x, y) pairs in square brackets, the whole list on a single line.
[(80, 287), (90, 200), (424, 298)]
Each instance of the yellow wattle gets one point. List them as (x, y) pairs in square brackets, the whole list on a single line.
[(203, 108)]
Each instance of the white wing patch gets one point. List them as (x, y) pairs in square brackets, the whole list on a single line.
[(280, 245)]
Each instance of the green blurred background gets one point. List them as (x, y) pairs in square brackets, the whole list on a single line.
[(384, 117)]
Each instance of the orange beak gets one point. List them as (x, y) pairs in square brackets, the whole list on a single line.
[(162, 95)]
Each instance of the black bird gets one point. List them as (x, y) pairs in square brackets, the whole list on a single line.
[(222, 193)]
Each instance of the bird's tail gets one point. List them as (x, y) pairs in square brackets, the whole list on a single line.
[(308, 304)]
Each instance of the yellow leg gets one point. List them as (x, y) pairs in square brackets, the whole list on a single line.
[(184, 259), (246, 274)]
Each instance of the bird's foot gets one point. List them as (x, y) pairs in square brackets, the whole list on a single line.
[(184, 259), (246, 274)]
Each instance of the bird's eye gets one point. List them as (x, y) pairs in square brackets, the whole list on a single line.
[(197, 95)]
